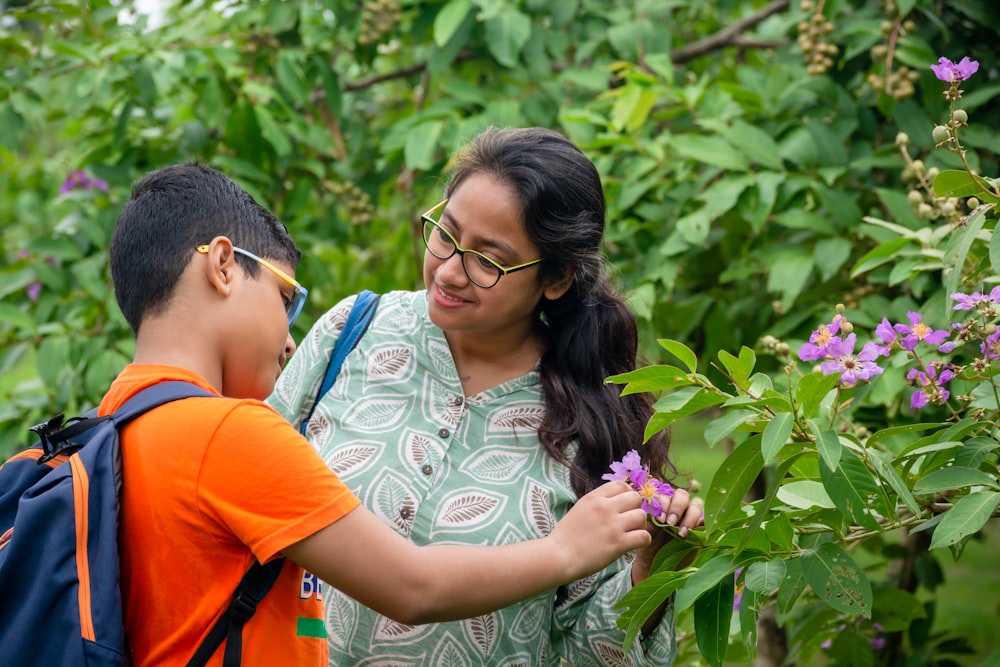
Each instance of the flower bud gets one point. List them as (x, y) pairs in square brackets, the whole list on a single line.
[(960, 116), (902, 139), (972, 202), (940, 134), (932, 173), (924, 211), (914, 197)]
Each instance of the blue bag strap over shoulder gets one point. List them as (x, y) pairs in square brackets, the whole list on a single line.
[(361, 315)]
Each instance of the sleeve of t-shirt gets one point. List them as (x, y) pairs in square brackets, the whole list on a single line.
[(265, 484)]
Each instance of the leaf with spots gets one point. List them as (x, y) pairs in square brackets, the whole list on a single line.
[(836, 578)]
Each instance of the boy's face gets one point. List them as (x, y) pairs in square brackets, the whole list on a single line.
[(259, 341)]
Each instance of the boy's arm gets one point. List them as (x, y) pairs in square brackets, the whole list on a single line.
[(367, 560)]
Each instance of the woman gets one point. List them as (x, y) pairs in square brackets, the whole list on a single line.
[(476, 411)]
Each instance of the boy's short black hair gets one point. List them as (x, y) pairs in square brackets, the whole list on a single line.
[(173, 210)]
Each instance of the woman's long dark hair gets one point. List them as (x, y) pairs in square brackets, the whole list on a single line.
[(591, 331)]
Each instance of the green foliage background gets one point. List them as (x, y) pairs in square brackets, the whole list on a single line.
[(749, 188)]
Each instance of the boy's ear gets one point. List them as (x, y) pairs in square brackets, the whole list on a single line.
[(555, 289), (220, 269)]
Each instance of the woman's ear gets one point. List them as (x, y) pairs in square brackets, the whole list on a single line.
[(558, 287)]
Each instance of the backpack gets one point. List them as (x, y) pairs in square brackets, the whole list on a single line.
[(361, 315), (60, 602)]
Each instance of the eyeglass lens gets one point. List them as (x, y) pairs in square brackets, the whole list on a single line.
[(439, 242)]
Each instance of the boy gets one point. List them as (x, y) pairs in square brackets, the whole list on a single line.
[(205, 277)]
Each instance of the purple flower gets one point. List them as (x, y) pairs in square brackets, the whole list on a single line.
[(976, 299), (34, 289), (951, 72), (919, 332), (886, 333), (78, 180), (852, 368), (631, 469), (991, 348), (621, 471), (930, 385), (821, 339)]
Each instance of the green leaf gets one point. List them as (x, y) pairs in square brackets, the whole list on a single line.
[(713, 612), (714, 151), (421, 144), (881, 463), (804, 495), (879, 255), (894, 608), (731, 483), (966, 518), (776, 435), (778, 529), (651, 378), (448, 20), (852, 488), (893, 431), (789, 274), (632, 107), (961, 184), (52, 359), (837, 580), (765, 576), (740, 367), (755, 143), (995, 252), (718, 429), (644, 599), (811, 391), (12, 315), (506, 34), (273, 132), (958, 249), (955, 477), (681, 351), (704, 579), (827, 443)]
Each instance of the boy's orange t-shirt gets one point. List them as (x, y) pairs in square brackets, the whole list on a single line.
[(209, 486)]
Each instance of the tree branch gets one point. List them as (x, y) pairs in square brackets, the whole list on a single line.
[(727, 36)]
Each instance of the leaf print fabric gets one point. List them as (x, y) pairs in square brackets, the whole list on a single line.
[(438, 466)]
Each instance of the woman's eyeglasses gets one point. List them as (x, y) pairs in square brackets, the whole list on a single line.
[(481, 270)]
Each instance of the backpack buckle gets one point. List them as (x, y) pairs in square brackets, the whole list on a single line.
[(43, 431)]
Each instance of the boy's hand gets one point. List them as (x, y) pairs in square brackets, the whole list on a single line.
[(678, 510), (601, 526)]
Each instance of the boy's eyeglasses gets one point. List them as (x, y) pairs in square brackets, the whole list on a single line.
[(294, 305), (481, 270)]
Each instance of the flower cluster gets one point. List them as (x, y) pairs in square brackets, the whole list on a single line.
[(78, 180), (835, 350), (631, 469), (834, 345)]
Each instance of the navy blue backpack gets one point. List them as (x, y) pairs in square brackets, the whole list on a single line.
[(60, 602)]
